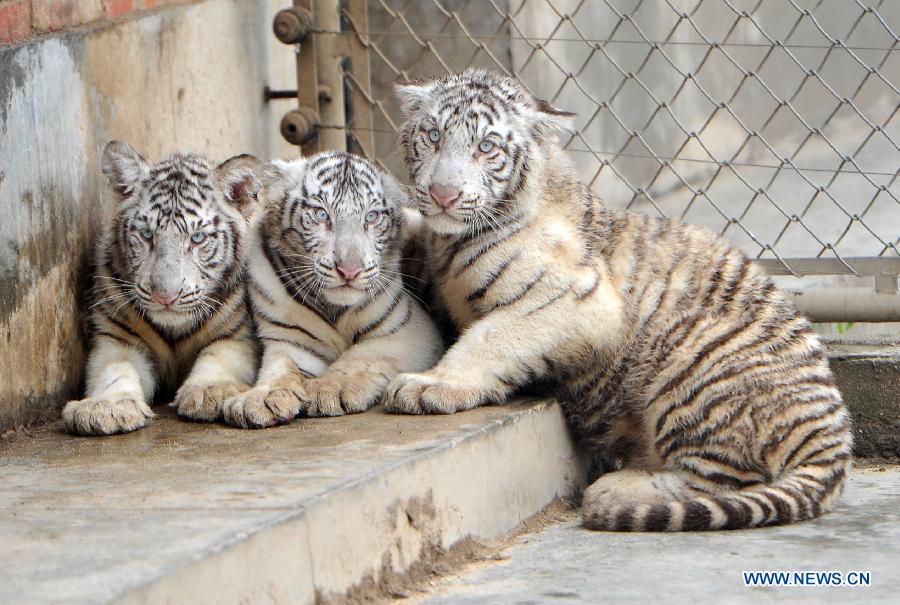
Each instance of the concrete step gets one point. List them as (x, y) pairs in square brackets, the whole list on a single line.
[(869, 379), (567, 564), (194, 513)]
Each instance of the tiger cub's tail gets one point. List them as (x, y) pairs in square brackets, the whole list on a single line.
[(632, 500)]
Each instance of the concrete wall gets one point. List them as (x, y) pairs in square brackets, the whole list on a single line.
[(182, 77)]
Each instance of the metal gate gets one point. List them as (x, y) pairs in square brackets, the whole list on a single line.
[(772, 122)]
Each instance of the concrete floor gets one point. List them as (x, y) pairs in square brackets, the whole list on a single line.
[(195, 513), (567, 564)]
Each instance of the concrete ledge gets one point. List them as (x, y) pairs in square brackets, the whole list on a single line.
[(869, 379), (190, 513)]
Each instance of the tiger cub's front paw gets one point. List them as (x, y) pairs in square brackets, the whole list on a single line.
[(203, 402), (264, 405), (430, 393), (339, 393), (106, 415)]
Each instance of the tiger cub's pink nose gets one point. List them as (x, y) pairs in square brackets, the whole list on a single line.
[(349, 272), (163, 298), (444, 196)]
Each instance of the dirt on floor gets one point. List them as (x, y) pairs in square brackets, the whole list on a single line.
[(436, 563)]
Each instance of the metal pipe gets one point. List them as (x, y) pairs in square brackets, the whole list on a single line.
[(846, 304), (879, 266), (270, 94)]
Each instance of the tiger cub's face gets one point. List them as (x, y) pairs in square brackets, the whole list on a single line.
[(337, 219), (178, 230), (468, 140)]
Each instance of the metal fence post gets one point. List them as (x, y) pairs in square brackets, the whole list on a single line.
[(329, 53), (357, 83)]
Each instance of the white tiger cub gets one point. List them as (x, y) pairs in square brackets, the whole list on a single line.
[(327, 293), (674, 356), (169, 302)]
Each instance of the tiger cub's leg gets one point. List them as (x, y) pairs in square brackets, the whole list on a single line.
[(278, 394), (223, 369), (120, 382), (350, 386), (501, 352), (353, 383), (474, 371), (358, 378)]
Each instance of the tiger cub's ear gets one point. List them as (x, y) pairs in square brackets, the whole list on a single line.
[(237, 176), (411, 220), (395, 192), (414, 95), (124, 167), (278, 175), (548, 120)]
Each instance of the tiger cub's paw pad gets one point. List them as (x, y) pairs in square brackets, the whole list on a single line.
[(106, 415), (343, 394), (425, 393), (262, 407), (203, 402)]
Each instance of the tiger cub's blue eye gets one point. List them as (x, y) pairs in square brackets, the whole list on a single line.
[(434, 135), (198, 237), (146, 233), (372, 216), (321, 214), (485, 146)]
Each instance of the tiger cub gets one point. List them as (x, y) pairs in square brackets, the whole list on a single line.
[(327, 292), (674, 357), (169, 305)]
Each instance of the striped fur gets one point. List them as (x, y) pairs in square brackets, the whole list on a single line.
[(330, 343), (675, 358), (168, 306)]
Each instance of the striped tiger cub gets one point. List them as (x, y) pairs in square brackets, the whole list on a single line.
[(168, 303), (674, 357), (327, 291)]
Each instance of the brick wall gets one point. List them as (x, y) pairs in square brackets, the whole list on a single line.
[(24, 19)]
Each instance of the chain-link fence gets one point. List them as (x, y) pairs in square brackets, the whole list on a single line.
[(773, 122)]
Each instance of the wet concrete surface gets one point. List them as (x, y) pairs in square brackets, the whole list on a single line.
[(100, 520), (566, 563)]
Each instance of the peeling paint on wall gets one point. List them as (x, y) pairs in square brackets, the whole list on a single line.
[(44, 222)]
